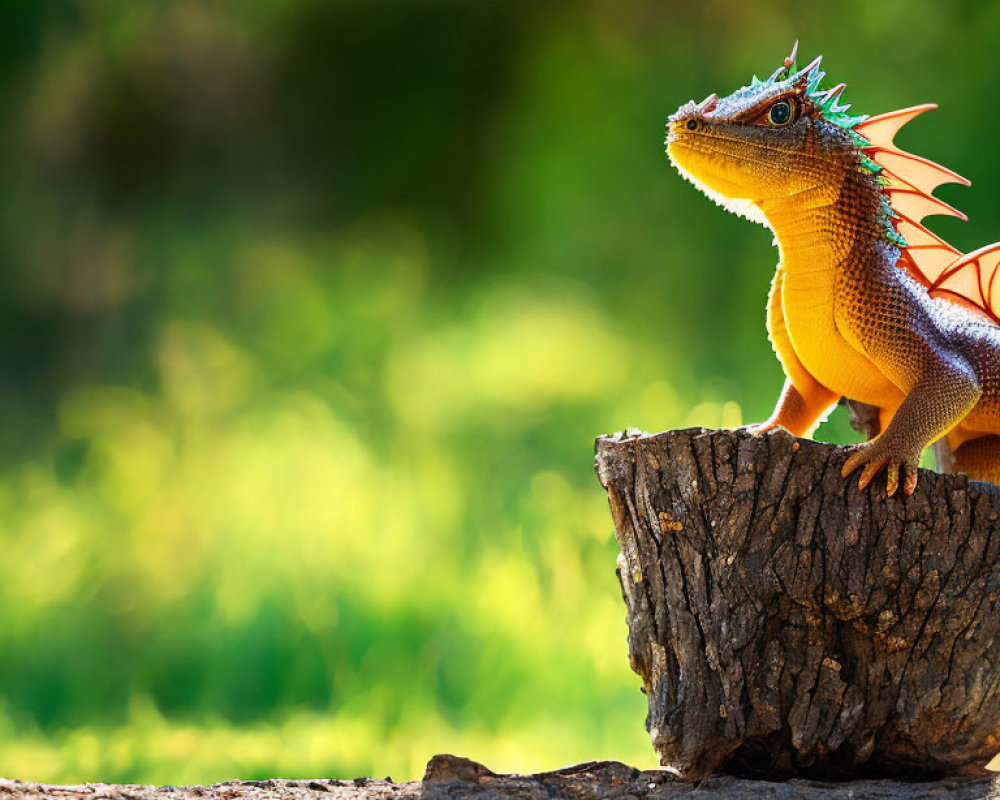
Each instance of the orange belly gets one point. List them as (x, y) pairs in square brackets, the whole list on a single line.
[(823, 350)]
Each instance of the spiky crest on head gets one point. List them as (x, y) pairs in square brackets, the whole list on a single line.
[(906, 182), (806, 82), (824, 104)]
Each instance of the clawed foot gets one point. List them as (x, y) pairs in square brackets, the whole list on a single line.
[(759, 428), (876, 454)]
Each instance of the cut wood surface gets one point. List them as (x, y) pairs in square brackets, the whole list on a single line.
[(784, 623), (453, 778)]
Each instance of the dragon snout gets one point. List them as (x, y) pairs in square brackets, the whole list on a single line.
[(690, 117)]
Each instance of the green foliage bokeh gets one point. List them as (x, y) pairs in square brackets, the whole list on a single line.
[(310, 314)]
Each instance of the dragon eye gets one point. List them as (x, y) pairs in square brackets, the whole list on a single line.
[(780, 113)]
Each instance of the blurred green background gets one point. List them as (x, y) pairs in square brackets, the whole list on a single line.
[(310, 314)]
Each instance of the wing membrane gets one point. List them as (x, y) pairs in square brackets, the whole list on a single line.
[(882, 129), (974, 277), (910, 180)]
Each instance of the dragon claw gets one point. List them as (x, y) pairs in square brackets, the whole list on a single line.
[(760, 428), (873, 456)]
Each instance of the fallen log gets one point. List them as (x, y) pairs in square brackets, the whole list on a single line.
[(784, 623)]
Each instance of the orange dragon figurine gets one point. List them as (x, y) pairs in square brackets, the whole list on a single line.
[(866, 303)]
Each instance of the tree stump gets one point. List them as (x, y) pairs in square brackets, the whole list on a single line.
[(784, 623)]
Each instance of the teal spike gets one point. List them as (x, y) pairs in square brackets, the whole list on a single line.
[(856, 138), (754, 81), (886, 216), (869, 166), (843, 120)]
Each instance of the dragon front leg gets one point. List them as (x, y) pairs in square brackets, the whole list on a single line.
[(799, 410), (932, 407)]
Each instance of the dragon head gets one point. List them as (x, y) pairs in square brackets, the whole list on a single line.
[(766, 141), (778, 147)]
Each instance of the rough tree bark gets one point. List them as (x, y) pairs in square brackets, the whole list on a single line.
[(785, 623)]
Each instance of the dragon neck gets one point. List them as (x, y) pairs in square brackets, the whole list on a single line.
[(821, 230)]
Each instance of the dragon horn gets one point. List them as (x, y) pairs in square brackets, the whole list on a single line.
[(787, 65), (708, 104), (790, 61)]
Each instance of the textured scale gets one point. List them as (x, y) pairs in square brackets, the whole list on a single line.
[(866, 302)]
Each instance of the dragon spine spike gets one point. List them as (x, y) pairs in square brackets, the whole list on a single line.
[(896, 187), (910, 181), (920, 238), (880, 130), (832, 94), (812, 66), (921, 173), (916, 205), (810, 75)]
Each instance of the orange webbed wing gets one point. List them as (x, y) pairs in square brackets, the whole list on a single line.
[(910, 181), (931, 254), (916, 205), (918, 172), (973, 277), (880, 130)]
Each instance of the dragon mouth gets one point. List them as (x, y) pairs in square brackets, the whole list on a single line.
[(696, 162), (742, 206)]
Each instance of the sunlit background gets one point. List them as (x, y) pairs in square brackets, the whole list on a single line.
[(310, 314)]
